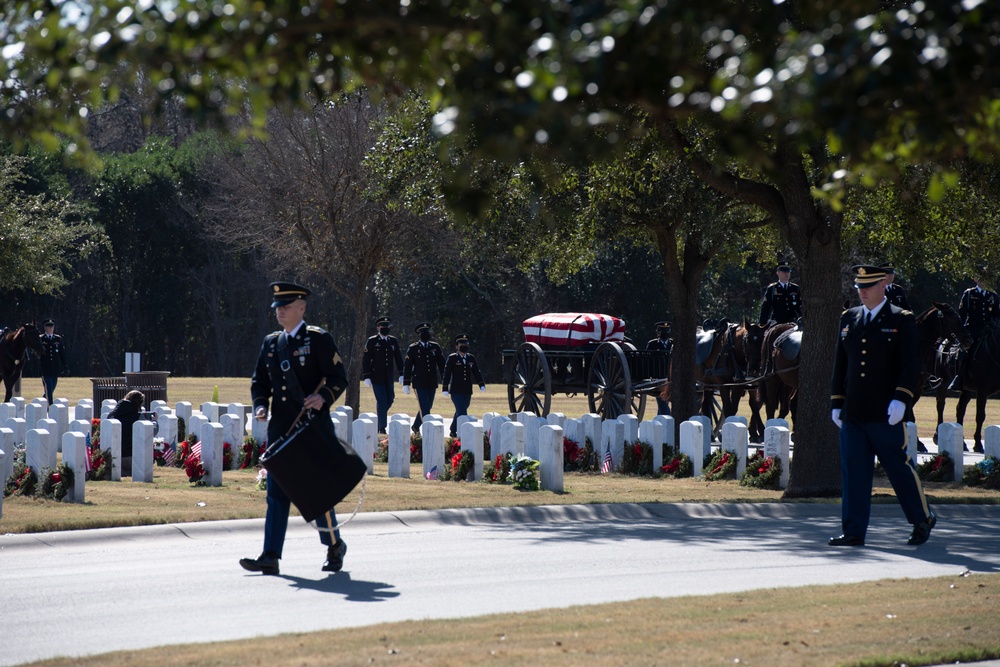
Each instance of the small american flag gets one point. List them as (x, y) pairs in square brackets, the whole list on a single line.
[(168, 455), (87, 463), (196, 450), (432, 473), (606, 466)]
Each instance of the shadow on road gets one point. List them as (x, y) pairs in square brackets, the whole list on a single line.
[(342, 584)]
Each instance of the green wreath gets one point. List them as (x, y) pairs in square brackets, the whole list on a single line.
[(678, 466), (937, 469), (58, 482), (986, 474), (720, 466), (637, 459), (461, 465), (763, 472)]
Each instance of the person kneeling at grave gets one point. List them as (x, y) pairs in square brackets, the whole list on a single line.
[(127, 412)]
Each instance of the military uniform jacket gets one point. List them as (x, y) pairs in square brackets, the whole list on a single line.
[(661, 367), (53, 355), (977, 309), (460, 373), (314, 357), (423, 363), (897, 296), (781, 304), (875, 364), (377, 364)]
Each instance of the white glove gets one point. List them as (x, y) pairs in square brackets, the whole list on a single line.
[(895, 412), (482, 387), (400, 379), (444, 393), (406, 389), (368, 382), (835, 415)]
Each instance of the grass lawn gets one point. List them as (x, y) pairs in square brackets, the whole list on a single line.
[(890, 622)]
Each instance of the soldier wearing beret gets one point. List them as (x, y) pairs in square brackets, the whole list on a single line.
[(782, 300), (876, 371), (53, 358), (382, 360), (312, 356), (460, 371), (663, 344), (423, 364), (893, 292)]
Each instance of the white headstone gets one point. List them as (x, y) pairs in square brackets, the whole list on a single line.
[(83, 426), (232, 434), (32, 413), (470, 433), (951, 439), (19, 427), (166, 423), (511, 438), (346, 410), (991, 441), (142, 451), (776, 421), (75, 457), (183, 410), (211, 411), (555, 419), (573, 431), (20, 403), (111, 439), (399, 447), (487, 420), (239, 409), (107, 405), (652, 432), (706, 431), (669, 439), (7, 411), (495, 424), (739, 419), (211, 452), (52, 427), (463, 419), (736, 438), (369, 415), (258, 429), (195, 423), (432, 435), (84, 410), (631, 423), (4, 457), (531, 426), (776, 443), (550, 465), (613, 436), (363, 442), (7, 445), (692, 444), (158, 406), (39, 454), (592, 430), (910, 431)]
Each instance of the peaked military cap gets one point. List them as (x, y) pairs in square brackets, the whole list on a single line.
[(283, 294), (888, 268), (663, 325), (383, 322), (866, 275), (423, 326), (461, 338), (49, 323), (783, 266)]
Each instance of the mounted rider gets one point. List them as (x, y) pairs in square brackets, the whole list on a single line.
[(782, 301), (978, 307)]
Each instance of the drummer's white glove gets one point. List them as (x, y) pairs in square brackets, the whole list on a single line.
[(406, 389), (400, 379), (261, 413), (895, 412), (444, 393), (368, 382), (835, 415), (482, 387)]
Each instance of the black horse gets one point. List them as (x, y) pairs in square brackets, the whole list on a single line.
[(941, 334), (980, 374), (13, 347)]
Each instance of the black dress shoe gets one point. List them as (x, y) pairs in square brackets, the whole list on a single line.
[(922, 531), (846, 541), (265, 564), (335, 557)]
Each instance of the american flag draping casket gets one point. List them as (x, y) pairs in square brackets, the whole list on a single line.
[(573, 329)]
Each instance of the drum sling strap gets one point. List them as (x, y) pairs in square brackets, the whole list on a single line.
[(295, 391)]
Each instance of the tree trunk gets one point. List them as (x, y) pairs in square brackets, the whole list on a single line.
[(814, 234), (360, 305)]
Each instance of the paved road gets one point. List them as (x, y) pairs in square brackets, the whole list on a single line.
[(86, 592)]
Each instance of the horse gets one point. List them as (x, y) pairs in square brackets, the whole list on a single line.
[(13, 347), (980, 374), (941, 333), (780, 373), (717, 367), (749, 339)]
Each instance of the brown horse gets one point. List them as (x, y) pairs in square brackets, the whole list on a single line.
[(13, 347), (780, 376), (749, 339), (941, 333), (718, 368)]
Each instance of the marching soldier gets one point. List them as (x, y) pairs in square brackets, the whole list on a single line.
[(460, 370), (876, 370), (311, 356), (893, 292), (422, 366), (782, 300), (53, 358), (662, 343), (382, 360)]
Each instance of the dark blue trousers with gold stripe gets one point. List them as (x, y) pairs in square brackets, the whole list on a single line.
[(276, 520), (860, 443)]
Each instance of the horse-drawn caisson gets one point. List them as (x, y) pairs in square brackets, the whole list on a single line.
[(582, 353)]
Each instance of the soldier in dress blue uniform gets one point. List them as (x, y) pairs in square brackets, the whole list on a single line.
[(893, 292), (314, 359), (460, 370), (978, 307), (782, 300), (381, 362), (423, 365), (875, 377), (665, 344), (53, 358)]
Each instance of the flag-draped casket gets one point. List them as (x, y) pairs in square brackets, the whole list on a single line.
[(573, 329)]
